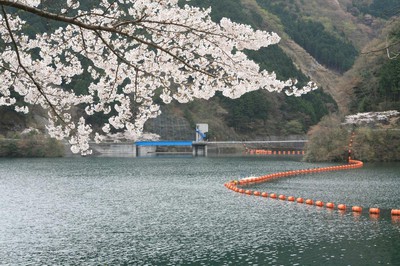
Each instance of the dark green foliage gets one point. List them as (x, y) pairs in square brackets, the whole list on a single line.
[(253, 106), (232, 9), (246, 109), (310, 108), (389, 81), (273, 58), (379, 88), (323, 46), (306, 110), (330, 50), (379, 8)]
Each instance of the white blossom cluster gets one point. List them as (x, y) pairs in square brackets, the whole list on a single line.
[(135, 50), (371, 117)]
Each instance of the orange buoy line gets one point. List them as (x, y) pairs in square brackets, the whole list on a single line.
[(352, 164), (274, 152)]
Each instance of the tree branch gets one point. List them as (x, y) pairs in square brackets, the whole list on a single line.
[(381, 49), (73, 21), (37, 85)]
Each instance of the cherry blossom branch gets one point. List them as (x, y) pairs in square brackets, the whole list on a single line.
[(73, 21), (178, 51), (33, 80)]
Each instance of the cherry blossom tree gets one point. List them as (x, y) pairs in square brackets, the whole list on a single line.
[(134, 51), (370, 117)]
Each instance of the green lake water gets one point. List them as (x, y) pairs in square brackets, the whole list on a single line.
[(176, 211)]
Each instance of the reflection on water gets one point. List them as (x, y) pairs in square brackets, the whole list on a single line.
[(169, 211)]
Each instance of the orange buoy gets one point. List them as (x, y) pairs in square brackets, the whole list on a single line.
[(330, 205), (319, 203), (374, 216), (273, 196), (395, 212), (264, 194), (248, 192), (341, 207), (300, 200), (356, 209), (241, 190), (374, 210), (256, 193), (396, 219), (282, 197), (290, 198), (309, 201)]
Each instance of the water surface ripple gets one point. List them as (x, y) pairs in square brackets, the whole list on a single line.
[(176, 211)]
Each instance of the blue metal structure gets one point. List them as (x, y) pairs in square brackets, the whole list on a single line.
[(165, 143), (202, 135)]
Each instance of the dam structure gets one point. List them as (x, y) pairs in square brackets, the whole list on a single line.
[(199, 147), (193, 148)]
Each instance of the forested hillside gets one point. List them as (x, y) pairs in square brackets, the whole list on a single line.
[(331, 49), (377, 87), (257, 114), (338, 44), (332, 34)]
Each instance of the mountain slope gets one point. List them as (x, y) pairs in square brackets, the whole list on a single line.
[(321, 41), (341, 21), (325, 77)]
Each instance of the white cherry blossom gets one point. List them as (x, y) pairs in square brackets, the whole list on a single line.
[(134, 51), (371, 117)]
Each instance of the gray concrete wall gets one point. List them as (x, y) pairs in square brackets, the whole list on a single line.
[(144, 151), (213, 148), (125, 150)]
